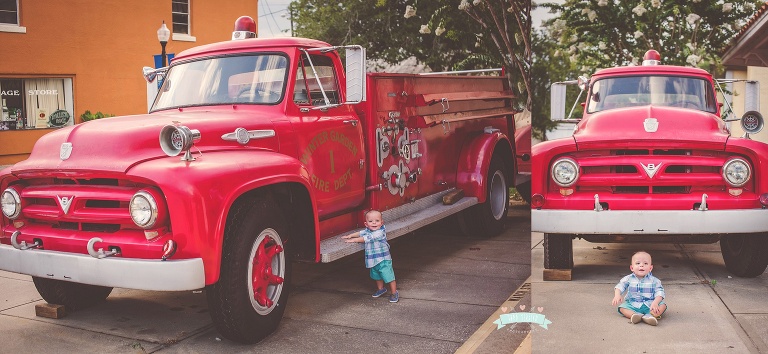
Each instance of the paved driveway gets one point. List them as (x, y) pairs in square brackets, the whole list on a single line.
[(710, 311), (449, 287)]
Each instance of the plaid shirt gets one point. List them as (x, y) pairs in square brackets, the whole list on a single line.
[(376, 246), (641, 291)]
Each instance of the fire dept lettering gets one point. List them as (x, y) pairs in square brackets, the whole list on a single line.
[(319, 183), (318, 140), (321, 160), (343, 140), (342, 180)]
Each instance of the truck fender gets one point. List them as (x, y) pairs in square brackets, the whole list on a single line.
[(757, 152), (541, 155), (475, 159), (200, 202)]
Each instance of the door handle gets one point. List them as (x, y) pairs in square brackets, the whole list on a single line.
[(351, 121)]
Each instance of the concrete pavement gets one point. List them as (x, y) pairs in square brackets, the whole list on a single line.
[(709, 311), (450, 286)]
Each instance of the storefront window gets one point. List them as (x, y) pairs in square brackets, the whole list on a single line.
[(36, 103)]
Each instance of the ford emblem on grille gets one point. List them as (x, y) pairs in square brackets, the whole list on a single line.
[(651, 169), (65, 203), (65, 151), (651, 125)]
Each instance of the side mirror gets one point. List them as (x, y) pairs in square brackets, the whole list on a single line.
[(557, 98), (356, 75), (583, 82), (752, 121), (151, 73)]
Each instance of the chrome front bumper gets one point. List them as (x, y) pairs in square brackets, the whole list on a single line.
[(649, 222), (170, 275)]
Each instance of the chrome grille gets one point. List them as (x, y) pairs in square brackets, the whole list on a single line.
[(651, 171), (99, 204)]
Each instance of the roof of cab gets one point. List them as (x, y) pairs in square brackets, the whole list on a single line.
[(651, 69), (252, 43)]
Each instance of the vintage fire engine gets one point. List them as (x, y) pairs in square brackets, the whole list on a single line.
[(256, 152), (653, 160)]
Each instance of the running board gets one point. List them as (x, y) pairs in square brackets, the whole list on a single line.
[(399, 221)]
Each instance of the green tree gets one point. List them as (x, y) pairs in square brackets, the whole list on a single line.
[(591, 34), (444, 34), (605, 33), (546, 68)]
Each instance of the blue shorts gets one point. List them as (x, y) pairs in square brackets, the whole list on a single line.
[(642, 309), (383, 271)]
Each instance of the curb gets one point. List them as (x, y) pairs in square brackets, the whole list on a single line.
[(482, 333)]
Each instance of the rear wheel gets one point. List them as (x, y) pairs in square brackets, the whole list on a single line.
[(745, 255), (488, 219), (248, 301), (558, 251), (73, 296)]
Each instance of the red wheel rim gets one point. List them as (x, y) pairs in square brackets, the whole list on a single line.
[(266, 271)]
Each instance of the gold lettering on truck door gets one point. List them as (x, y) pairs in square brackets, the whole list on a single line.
[(323, 172)]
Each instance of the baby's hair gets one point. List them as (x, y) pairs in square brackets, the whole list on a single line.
[(638, 252), (371, 211)]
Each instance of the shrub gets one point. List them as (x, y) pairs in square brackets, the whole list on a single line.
[(90, 116)]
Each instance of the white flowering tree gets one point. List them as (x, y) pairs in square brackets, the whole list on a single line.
[(442, 34), (603, 33), (508, 24)]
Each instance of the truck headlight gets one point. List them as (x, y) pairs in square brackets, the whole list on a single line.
[(143, 208), (565, 172), (736, 172), (11, 203)]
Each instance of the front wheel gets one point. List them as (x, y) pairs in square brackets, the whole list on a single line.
[(488, 219), (745, 255), (248, 301), (74, 296)]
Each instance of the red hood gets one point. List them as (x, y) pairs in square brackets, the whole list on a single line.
[(116, 144), (626, 127)]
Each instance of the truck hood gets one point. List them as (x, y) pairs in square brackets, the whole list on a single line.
[(642, 127), (116, 144)]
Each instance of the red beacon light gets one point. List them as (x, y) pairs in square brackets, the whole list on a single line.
[(245, 27), (651, 57)]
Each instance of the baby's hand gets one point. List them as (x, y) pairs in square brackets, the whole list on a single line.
[(655, 309), (616, 300), (348, 236)]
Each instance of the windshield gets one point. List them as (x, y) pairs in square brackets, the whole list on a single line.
[(254, 79), (670, 91)]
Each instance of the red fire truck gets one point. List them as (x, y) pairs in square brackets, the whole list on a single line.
[(256, 152), (653, 160)]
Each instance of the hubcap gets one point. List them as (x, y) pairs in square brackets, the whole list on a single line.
[(498, 195), (266, 271)]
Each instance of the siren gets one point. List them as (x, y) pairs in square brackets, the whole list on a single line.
[(177, 139), (752, 122), (651, 57), (245, 27)]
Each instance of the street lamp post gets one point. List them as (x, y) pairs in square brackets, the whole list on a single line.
[(162, 35)]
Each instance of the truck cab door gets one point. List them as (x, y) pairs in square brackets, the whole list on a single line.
[(330, 139)]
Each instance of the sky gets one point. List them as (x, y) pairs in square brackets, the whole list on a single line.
[(541, 13), (274, 19)]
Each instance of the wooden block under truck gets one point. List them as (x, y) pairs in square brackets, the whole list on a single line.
[(653, 160), (255, 153)]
